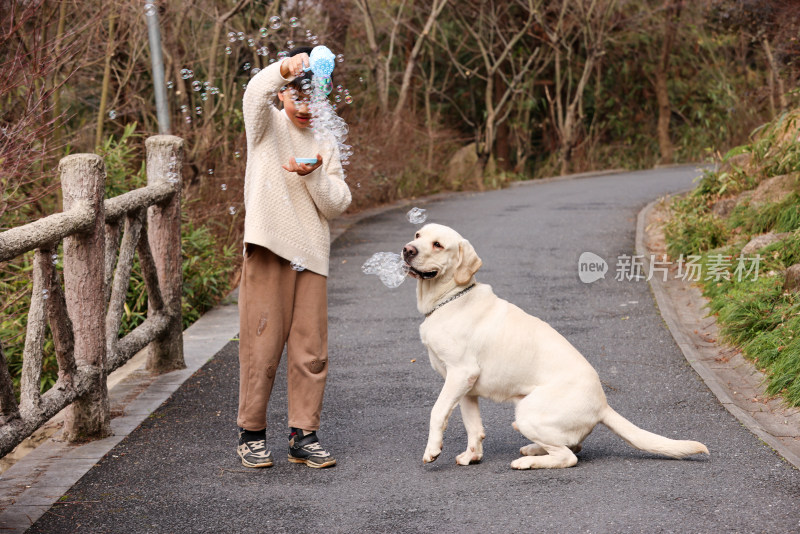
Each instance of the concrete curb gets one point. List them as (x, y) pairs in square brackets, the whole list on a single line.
[(734, 381), (31, 486)]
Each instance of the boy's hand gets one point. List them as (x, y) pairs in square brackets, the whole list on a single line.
[(293, 66), (302, 168)]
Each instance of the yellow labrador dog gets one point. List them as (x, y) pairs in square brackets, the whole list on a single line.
[(484, 346)]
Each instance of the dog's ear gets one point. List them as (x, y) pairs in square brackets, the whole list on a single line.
[(468, 263)]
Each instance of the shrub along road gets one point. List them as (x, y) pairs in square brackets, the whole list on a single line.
[(178, 471)]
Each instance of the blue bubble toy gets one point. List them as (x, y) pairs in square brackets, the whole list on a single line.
[(321, 61)]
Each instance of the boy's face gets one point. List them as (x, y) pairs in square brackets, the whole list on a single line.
[(296, 107)]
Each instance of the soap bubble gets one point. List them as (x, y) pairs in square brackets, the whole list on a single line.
[(232, 210), (188, 119), (203, 96), (282, 54), (416, 215), (214, 90), (45, 294), (339, 58), (255, 71), (237, 154), (299, 264), (224, 187), (54, 257), (198, 110), (246, 66), (339, 88), (170, 85), (149, 10), (232, 37), (263, 32), (251, 42), (275, 22), (348, 99), (263, 51), (211, 172), (388, 266), (338, 98), (184, 108), (112, 114), (196, 86), (240, 36), (294, 22), (186, 74)]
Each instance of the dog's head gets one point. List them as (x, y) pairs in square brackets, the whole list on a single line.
[(440, 253)]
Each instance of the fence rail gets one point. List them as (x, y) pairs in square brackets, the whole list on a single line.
[(101, 239)]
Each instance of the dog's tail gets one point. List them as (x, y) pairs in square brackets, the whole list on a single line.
[(647, 441)]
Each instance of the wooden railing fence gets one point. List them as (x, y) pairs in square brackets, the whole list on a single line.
[(100, 239)]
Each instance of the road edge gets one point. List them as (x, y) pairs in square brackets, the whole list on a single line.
[(689, 343)]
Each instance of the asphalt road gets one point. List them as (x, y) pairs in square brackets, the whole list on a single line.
[(179, 472)]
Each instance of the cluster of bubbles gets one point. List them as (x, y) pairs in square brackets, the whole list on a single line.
[(173, 176), (325, 121), (416, 215), (388, 266), (299, 264)]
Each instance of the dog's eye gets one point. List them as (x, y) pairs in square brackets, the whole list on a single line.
[(416, 236), (436, 244)]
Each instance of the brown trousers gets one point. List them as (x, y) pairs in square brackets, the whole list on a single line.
[(280, 306)]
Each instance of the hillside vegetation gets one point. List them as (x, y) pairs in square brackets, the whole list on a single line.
[(747, 212)]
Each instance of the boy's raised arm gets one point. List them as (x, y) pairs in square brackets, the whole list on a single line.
[(259, 97)]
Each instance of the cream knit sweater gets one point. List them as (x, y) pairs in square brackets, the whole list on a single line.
[(285, 212)]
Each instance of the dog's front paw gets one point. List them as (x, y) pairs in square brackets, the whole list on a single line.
[(468, 457), (431, 454)]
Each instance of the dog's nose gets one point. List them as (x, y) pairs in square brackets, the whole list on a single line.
[(409, 251)]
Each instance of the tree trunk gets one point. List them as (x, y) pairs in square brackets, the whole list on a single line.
[(502, 144), (411, 62), (377, 66), (101, 113), (774, 76), (672, 11)]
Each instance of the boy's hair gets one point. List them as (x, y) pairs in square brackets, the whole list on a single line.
[(297, 83)]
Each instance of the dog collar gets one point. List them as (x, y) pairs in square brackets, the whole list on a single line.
[(449, 299)]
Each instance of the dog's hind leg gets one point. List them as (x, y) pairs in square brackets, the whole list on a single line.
[(534, 449), (558, 456), (470, 413)]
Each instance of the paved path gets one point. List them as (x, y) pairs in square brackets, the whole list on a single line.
[(178, 472)]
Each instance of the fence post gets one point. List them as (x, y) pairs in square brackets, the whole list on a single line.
[(164, 163), (83, 181)]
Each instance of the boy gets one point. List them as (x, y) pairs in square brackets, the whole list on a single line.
[(283, 290)]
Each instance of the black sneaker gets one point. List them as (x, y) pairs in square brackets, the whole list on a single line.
[(304, 448), (253, 452)]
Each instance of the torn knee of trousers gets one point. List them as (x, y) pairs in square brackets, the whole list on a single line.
[(316, 366), (262, 323)]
